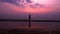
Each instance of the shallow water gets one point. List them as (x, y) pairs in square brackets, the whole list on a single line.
[(34, 25)]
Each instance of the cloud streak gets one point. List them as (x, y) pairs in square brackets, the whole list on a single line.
[(10, 1)]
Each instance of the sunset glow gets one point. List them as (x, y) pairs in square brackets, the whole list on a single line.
[(41, 1)]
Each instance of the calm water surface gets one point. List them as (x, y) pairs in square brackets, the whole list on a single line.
[(34, 25)]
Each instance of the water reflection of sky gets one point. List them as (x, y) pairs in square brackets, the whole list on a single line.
[(34, 25)]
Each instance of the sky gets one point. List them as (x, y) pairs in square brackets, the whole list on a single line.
[(18, 9), (39, 10)]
